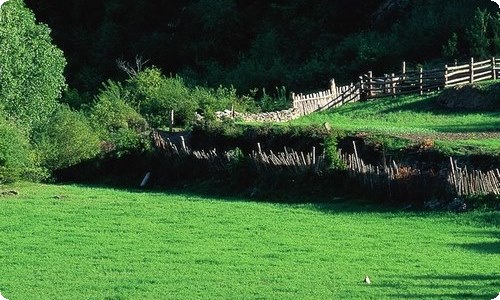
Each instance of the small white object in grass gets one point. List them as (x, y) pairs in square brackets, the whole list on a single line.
[(2, 2), (367, 280), (143, 182), (497, 298), (2, 297), (498, 3)]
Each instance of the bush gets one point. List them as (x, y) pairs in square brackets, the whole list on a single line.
[(16, 155), (121, 128), (67, 139), (155, 95)]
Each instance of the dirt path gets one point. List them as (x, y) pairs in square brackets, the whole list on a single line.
[(450, 136)]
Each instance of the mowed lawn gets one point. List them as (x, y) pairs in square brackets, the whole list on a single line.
[(69, 242)]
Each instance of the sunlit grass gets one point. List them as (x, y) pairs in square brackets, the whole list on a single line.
[(68, 242), (410, 114)]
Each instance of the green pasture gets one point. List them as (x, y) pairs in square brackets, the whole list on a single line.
[(416, 118), (71, 242)]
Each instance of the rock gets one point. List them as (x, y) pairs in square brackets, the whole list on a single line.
[(457, 204)]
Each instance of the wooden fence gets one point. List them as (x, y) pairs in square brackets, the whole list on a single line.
[(404, 82), (421, 81), (473, 182), (459, 181), (334, 97)]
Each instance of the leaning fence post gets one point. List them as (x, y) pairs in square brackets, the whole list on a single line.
[(471, 70), (493, 71), (421, 80)]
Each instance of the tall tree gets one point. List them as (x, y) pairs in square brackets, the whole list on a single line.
[(31, 77)]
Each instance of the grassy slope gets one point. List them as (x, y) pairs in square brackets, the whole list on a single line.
[(417, 117), (107, 244)]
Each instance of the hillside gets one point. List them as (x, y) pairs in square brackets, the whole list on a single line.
[(419, 118)]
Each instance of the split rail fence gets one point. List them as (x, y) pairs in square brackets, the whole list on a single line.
[(405, 82)]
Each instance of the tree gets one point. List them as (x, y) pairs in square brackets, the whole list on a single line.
[(31, 77), (477, 34)]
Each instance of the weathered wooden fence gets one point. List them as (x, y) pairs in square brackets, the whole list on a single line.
[(289, 160), (473, 182), (421, 81), (460, 181), (404, 82), (335, 96), (265, 161)]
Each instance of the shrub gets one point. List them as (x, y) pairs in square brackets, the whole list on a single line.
[(16, 155), (211, 100), (120, 127), (155, 95), (335, 162), (67, 139)]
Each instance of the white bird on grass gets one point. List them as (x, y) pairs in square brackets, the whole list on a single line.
[(367, 280)]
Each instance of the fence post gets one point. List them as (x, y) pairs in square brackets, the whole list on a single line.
[(471, 70), (421, 80), (445, 75), (333, 87), (171, 121), (393, 85), (493, 71), (370, 83), (361, 86)]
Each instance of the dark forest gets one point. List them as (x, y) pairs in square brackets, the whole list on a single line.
[(299, 44)]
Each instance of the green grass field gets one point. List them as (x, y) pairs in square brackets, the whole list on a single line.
[(69, 242), (416, 118)]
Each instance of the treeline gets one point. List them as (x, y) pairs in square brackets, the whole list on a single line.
[(300, 44)]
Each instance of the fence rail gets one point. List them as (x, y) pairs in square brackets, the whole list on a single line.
[(405, 82)]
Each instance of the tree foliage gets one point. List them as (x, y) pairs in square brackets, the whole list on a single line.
[(300, 44), (31, 77)]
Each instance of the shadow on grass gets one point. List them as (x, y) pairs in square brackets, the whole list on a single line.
[(463, 284), (484, 248), (436, 296), (336, 203), (487, 247)]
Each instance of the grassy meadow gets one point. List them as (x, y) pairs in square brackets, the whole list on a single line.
[(73, 242)]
